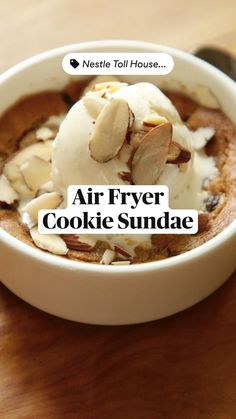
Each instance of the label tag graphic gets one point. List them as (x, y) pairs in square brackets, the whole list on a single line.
[(93, 64), (116, 209)]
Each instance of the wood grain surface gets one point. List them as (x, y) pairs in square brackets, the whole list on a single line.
[(28, 27), (182, 367)]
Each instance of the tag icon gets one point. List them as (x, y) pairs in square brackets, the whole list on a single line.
[(74, 63)]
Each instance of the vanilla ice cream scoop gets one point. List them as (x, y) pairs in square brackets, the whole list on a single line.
[(72, 161), (105, 130)]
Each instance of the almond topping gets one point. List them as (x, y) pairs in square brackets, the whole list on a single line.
[(36, 172), (178, 154), (44, 133), (73, 242), (122, 252), (50, 242), (15, 177), (110, 86), (12, 167), (7, 193), (153, 120), (108, 257), (39, 149), (46, 187), (46, 201), (94, 105), (150, 157), (202, 136), (97, 80), (110, 130)]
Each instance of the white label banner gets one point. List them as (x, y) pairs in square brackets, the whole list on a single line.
[(116, 209), (152, 63)]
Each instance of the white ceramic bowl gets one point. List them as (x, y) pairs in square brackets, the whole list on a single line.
[(115, 294)]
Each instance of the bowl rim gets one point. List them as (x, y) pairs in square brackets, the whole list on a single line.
[(61, 262)]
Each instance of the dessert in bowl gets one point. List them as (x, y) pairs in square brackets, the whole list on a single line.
[(155, 140)]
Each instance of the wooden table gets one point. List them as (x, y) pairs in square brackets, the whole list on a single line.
[(28, 27), (183, 367)]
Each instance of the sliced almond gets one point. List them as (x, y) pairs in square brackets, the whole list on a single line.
[(15, 177), (50, 242), (46, 187), (73, 242), (108, 257), (153, 120), (109, 86), (46, 201), (44, 133), (96, 80), (178, 154), (151, 155), (12, 170), (110, 130), (36, 172), (122, 252), (94, 105), (39, 149), (202, 136), (89, 239), (55, 121), (7, 193)]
